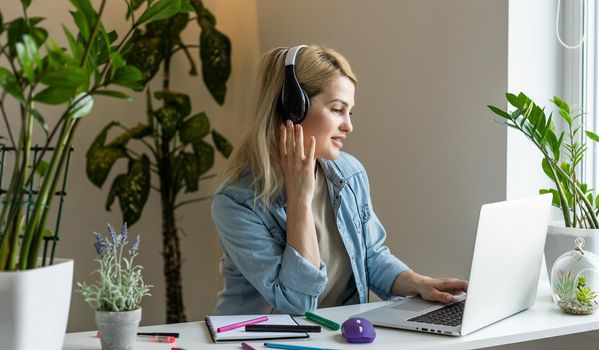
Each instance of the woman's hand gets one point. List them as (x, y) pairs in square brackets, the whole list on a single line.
[(297, 167), (298, 173), (434, 289)]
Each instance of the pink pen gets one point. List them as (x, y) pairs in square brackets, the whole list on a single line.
[(241, 324)]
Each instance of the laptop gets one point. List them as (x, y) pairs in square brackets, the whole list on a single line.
[(504, 276)]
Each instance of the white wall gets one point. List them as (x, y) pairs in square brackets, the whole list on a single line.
[(534, 67), (426, 70)]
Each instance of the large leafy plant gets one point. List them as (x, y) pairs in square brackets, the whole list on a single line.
[(562, 151), (39, 72), (175, 140)]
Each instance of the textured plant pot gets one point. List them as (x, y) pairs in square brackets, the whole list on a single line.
[(34, 306), (560, 239), (118, 329)]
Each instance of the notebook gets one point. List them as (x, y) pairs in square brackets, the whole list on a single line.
[(214, 322)]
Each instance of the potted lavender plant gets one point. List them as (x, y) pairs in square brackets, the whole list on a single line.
[(117, 295)]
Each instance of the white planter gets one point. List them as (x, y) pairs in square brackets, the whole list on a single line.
[(118, 329), (34, 306), (560, 239)]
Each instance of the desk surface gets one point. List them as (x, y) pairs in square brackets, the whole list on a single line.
[(543, 320)]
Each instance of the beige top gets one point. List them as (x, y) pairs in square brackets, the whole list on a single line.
[(341, 287)]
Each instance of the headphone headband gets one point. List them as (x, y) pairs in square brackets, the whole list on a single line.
[(291, 53), (293, 102)]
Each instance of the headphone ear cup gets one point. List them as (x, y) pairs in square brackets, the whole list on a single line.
[(293, 102)]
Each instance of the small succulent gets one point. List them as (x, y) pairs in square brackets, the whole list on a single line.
[(584, 294), (121, 285)]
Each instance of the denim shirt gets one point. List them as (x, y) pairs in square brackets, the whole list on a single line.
[(263, 274)]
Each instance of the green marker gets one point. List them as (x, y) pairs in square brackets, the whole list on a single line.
[(323, 321)]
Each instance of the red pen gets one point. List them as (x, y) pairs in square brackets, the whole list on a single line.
[(241, 324)]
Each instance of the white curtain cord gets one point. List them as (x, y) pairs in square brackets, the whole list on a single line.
[(583, 36)]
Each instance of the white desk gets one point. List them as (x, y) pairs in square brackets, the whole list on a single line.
[(543, 320)]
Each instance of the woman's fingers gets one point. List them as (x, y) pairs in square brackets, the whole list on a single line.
[(299, 142), (283, 140), (312, 149), (290, 141)]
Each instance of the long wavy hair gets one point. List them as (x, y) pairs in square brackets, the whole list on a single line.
[(258, 151)]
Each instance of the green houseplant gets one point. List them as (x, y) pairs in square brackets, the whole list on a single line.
[(117, 295), (563, 152), (35, 71), (175, 140)]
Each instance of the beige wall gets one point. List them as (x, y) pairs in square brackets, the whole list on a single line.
[(426, 70)]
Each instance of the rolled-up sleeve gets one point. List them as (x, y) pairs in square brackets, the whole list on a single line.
[(383, 267), (285, 279)]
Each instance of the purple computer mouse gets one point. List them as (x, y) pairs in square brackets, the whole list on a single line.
[(358, 330)]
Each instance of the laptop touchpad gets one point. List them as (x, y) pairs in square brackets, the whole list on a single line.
[(414, 305)]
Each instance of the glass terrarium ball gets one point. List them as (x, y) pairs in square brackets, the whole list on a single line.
[(575, 280)]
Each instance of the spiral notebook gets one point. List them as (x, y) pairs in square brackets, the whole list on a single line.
[(214, 322)]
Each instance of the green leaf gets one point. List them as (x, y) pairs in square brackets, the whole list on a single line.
[(512, 99), (69, 77), (54, 96), (561, 104), (592, 136), (1, 23), (555, 196), (40, 119), (76, 49), (499, 112), (25, 3), (87, 16), (28, 56), (8, 82), (132, 189), (161, 9), (176, 107), (188, 164), (42, 168), (113, 93), (100, 158), (566, 116), (138, 132), (128, 76), (83, 105), (205, 155), (547, 169), (215, 53), (222, 145), (82, 24), (194, 128)]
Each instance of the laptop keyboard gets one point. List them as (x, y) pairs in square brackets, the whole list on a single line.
[(450, 315)]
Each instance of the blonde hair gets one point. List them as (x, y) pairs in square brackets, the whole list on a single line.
[(258, 151)]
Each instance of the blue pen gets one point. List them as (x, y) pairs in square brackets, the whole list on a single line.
[(293, 347)]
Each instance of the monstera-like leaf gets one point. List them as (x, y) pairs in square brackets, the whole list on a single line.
[(100, 157), (204, 154), (132, 189), (148, 49), (215, 53), (194, 128), (171, 115), (222, 144)]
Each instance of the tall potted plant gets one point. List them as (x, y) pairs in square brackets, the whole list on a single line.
[(562, 153), (39, 72), (175, 140)]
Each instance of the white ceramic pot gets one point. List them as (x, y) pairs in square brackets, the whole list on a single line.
[(34, 306), (118, 330), (560, 239)]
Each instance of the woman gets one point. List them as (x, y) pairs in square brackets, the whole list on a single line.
[(293, 212)]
